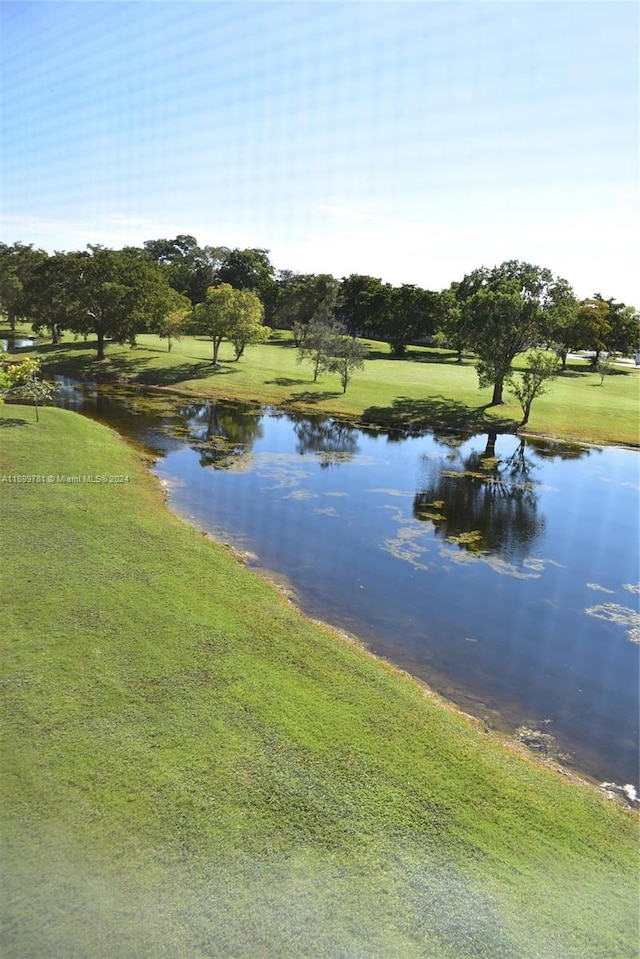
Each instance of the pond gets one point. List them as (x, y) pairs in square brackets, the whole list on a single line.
[(503, 572), (12, 342)]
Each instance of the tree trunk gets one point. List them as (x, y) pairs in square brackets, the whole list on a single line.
[(490, 448), (101, 355), (496, 399), (526, 411), (216, 346), (54, 334)]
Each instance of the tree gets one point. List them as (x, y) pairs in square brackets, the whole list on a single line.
[(118, 293), (249, 328), (450, 331), (224, 314), (52, 296), (17, 264), (562, 331), (409, 315), (534, 381), (35, 390), (22, 381), (622, 332), (13, 375), (358, 302), (318, 345), (189, 268), (173, 323), (593, 326), (347, 355), (504, 312), (305, 299), (249, 269)]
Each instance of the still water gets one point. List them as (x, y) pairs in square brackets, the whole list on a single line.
[(503, 572), (12, 342)]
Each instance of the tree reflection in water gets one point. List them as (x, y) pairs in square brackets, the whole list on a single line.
[(480, 501), (333, 442), (223, 435)]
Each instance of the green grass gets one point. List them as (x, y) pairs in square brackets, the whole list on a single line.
[(190, 768), (428, 389)]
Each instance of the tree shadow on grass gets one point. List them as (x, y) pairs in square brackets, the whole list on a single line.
[(13, 421), (440, 358), (181, 373), (308, 397), (437, 413), (131, 367), (447, 358), (286, 343), (568, 374), (284, 381), (61, 348)]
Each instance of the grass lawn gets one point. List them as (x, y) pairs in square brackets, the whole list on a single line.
[(428, 389), (190, 768)]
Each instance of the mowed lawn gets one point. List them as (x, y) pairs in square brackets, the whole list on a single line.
[(190, 768), (429, 389)]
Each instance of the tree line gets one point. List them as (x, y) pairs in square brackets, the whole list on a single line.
[(176, 286)]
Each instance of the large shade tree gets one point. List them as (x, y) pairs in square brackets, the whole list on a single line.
[(116, 294), (399, 315), (505, 311), (408, 313), (225, 315), (190, 269), (608, 325), (18, 264), (53, 295), (249, 269), (305, 301), (360, 299)]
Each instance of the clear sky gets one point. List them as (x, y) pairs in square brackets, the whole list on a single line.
[(409, 141)]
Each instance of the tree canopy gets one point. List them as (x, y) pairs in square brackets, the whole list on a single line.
[(115, 294), (18, 264), (229, 314), (305, 300), (189, 268), (503, 312)]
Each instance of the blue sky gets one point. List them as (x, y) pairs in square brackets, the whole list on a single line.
[(410, 141)]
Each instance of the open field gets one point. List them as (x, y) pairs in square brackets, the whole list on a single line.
[(193, 769), (428, 389)]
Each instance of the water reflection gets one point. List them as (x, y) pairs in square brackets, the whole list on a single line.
[(12, 343), (481, 501), (332, 442), (222, 435)]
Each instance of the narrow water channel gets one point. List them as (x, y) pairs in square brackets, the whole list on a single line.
[(502, 572)]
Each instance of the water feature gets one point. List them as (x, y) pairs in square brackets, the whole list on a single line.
[(503, 572), (13, 342)]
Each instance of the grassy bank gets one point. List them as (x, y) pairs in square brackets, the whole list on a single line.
[(428, 389), (191, 768)]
